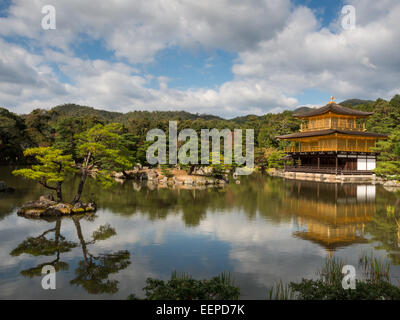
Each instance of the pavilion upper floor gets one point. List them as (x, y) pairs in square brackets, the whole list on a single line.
[(332, 140)]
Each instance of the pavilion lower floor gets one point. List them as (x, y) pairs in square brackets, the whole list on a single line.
[(332, 162)]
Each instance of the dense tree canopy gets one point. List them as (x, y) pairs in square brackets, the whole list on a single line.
[(63, 126), (51, 170), (13, 137), (389, 156)]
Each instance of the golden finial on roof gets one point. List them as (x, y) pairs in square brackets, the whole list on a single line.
[(332, 100)]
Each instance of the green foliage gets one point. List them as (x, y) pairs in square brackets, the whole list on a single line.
[(376, 270), (66, 131), (63, 126), (275, 159), (38, 127), (260, 159), (105, 144), (389, 157), (272, 125), (219, 169), (103, 232), (52, 167), (165, 171), (375, 285), (331, 272), (386, 114), (51, 170), (71, 110), (130, 144), (37, 270), (13, 137), (93, 273), (184, 287), (41, 246), (355, 102), (365, 290), (104, 147), (281, 291), (268, 158)]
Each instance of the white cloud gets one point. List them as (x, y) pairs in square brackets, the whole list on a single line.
[(362, 62), (136, 30), (282, 51)]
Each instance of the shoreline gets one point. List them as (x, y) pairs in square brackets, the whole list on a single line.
[(332, 178), (174, 178)]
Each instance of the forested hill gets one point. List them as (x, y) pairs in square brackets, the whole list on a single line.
[(355, 102), (74, 110), (58, 126)]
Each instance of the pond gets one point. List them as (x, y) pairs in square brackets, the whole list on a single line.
[(262, 230)]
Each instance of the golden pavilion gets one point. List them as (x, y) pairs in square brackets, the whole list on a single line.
[(332, 139)]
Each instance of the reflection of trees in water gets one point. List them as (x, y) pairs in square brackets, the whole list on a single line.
[(43, 246), (255, 194), (93, 271), (24, 191), (383, 228)]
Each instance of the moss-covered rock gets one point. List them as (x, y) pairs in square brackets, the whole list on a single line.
[(49, 208)]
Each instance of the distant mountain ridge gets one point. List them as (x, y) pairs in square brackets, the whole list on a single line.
[(354, 102), (75, 110), (68, 110), (301, 110)]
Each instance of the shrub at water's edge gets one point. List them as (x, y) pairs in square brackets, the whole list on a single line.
[(184, 287), (389, 157), (375, 284)]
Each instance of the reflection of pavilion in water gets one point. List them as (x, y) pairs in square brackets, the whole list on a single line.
[(331, 215)]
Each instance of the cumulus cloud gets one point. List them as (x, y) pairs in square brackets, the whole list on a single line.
[(282, 51), (361, 62), (136, 30)]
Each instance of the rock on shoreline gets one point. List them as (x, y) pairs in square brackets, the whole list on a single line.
[(177, 177), (45, 207)]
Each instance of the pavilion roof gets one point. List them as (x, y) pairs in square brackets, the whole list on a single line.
[(329, 132)]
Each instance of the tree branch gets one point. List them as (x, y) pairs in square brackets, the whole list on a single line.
[(44, 184)]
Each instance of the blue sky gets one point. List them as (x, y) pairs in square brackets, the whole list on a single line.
[(222, 57), (326, 10)]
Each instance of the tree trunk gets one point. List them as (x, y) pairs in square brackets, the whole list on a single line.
[(263, 168), (81, 239), (127, 176), (191, 169), (57, 235), (83, 179), (80, 187), (58, 191)]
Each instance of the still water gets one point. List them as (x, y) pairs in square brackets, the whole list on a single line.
[(261, 230)]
